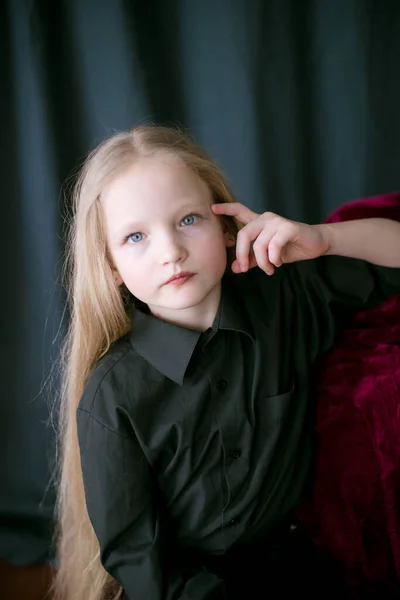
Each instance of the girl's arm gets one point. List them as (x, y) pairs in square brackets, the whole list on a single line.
[(138, 546), (374, 240), (268, 240)]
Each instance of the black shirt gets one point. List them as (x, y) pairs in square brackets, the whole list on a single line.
[(193, 443)]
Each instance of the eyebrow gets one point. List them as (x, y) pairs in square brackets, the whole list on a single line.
[(128, 228), (195, 207)]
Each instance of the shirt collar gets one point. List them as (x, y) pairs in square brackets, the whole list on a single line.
[(169, 347)]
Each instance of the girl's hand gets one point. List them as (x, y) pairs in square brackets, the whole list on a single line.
[(268, 240)]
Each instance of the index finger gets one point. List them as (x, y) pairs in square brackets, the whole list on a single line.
[(234, 209)]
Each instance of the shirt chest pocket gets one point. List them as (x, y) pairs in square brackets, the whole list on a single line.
[(272, 412)]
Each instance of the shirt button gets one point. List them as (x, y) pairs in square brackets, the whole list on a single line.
[(222, 385), (233, 522), (234, 454)]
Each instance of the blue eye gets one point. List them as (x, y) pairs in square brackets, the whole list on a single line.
[(134, 238), (189, 220)]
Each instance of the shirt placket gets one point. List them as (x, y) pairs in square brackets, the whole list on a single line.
[(224, 395)]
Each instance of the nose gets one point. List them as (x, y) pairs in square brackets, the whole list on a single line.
[(170, 248)]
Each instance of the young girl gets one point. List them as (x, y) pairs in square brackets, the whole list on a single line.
[(186, 422)]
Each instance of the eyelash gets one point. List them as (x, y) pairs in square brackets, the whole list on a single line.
[(128, 237)]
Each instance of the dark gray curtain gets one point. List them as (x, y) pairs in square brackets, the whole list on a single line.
[(298, 101)]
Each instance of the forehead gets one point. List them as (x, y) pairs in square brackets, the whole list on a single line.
[(153, 184)]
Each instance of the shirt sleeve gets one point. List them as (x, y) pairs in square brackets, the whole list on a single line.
[(330, 289), (137, 545)]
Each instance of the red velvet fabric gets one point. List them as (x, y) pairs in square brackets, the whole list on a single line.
[(354, 511)]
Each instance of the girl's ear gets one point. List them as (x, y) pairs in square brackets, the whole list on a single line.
[(229, 239), (229, 231), (117, 277)]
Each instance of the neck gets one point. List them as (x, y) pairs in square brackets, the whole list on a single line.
[(199, 317)]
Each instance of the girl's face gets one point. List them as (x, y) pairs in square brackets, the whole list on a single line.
[(166, 244)]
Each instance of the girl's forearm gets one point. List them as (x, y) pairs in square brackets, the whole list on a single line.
[(374, 240)]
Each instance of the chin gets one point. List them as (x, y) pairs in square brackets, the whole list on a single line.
[(185, 303), (187, 299)]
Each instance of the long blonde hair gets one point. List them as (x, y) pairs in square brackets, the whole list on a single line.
[(99, 315)]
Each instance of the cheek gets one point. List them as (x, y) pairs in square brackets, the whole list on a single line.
[(128, 263), (208, 232), (215, 252)]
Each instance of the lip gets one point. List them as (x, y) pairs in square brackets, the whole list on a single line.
[(179, 278)]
